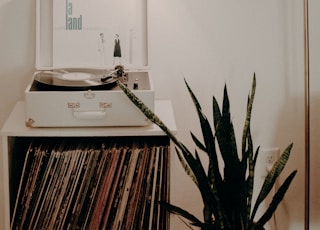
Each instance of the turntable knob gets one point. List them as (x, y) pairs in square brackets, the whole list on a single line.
[(136, 84)]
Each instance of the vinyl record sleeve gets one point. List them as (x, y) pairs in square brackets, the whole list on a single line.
[(95, 34)]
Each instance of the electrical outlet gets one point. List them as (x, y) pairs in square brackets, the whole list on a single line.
[(268, 157), (271, 155)]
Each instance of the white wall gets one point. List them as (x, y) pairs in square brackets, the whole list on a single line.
[(216, 42), (315, 109), (16, 59), (210, 43)]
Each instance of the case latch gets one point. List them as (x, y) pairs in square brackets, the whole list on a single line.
[(89, 94)]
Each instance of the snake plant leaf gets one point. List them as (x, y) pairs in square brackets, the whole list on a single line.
[(249, 110), (148, 113), (234, 193), (205, 127), (198, 143), (250, 186), (186, 167), (248, 159), (216, 112), (210, 169), (250, 178), (155, 119), (215, 177), (211, 177), (277, 198), (247, 145), (177, 210), (226, 139), (271, 178), (209, 197), (217, 208), (207, 137)]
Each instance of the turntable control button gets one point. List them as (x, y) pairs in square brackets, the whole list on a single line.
[(136, 84)]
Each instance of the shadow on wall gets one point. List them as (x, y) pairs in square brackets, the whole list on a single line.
[(314, 159), (291, 129), (17, 45)]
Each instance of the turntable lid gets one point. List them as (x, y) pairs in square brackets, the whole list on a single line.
[(91, 34)]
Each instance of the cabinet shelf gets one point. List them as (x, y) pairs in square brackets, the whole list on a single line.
[(15, 125), (16, 138)]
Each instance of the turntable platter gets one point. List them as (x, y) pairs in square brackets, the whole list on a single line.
[(71, 81), (76, 76)]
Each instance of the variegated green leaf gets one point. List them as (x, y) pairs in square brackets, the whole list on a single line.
[(271, 178), (198, 143), (177, 210), (186, 167), (277, 198)]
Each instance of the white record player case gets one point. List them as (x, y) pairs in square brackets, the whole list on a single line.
[(81, 38)]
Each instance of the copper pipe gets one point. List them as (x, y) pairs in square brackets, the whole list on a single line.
[(307, 117)]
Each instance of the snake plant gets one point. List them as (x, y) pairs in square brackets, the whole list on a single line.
[(227, 197)]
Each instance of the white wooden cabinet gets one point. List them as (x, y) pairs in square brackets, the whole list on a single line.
[(15, 132)]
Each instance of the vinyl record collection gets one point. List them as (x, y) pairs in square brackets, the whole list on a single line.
[(92, 184)]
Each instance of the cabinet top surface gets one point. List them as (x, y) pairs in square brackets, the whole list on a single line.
[(15, 125)]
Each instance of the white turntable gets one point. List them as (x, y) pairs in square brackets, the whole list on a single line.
[(80, 61)]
